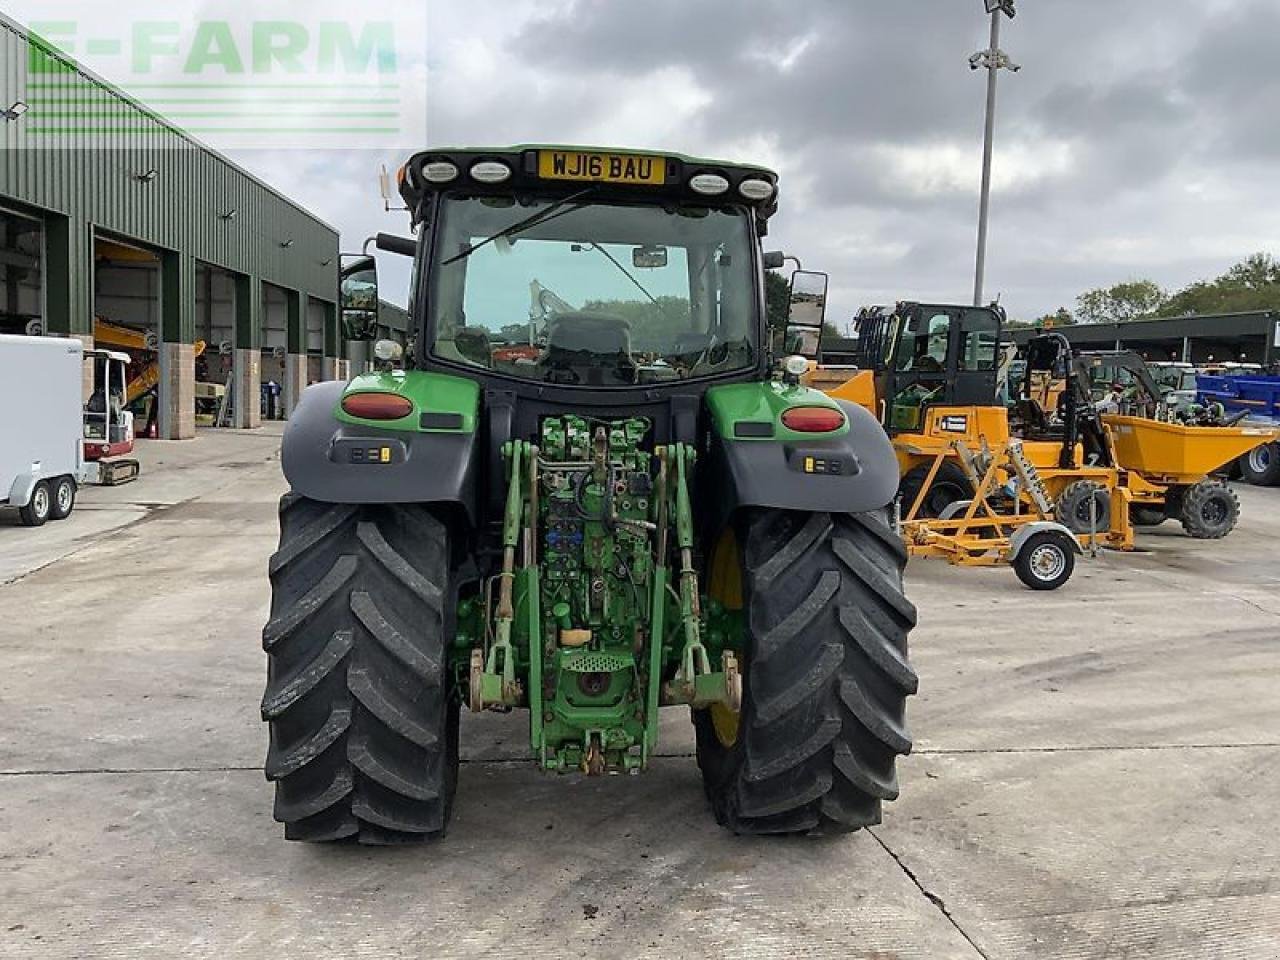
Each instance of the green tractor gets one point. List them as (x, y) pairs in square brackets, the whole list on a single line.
[(605, 501)]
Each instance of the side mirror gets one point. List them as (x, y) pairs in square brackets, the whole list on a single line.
[(802, 341), (358, 298), (773, 259), (803, 335)]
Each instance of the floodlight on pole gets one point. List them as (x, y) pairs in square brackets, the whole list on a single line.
[(993, 60)]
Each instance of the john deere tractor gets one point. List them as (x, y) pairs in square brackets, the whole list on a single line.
[(585, 508)]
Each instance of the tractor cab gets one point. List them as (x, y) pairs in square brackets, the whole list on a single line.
[(927, 355), (1083, 386)]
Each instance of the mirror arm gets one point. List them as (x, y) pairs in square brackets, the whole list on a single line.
[(403, 246)]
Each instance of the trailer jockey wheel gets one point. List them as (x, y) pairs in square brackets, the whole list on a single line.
[(1045, 561)]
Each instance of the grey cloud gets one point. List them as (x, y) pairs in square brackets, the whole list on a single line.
[(1142, 99)]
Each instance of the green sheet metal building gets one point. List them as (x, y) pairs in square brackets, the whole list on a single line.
[(123, 229)]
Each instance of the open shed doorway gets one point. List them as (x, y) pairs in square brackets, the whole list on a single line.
[(275, 347), (216, 329), (315, 341), (126, 317), (21, 274)]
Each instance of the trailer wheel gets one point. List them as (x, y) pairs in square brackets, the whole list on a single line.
[(1261, 465), (1210, 510), (64, 498), (950, 484), (1046, 561), (364, 723), (1072, 509), (826, 677), (39, 507)]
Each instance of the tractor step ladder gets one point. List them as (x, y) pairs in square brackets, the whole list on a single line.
[(1029, 477)]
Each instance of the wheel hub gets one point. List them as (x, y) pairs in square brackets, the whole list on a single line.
[(1047, 562)]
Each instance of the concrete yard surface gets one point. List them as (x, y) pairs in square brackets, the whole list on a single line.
[(1095, 772)]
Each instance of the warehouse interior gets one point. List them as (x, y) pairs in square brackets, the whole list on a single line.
[(21, 281)]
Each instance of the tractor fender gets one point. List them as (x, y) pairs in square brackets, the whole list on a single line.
[(852, 473), (1024, 533), (423, 467)]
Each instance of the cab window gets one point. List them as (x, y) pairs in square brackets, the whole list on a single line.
[(923, 346), (979, 342)]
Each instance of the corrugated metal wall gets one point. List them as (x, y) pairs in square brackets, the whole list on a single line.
[(85, 181)]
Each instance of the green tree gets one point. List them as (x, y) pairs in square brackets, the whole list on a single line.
[(1251, 284), (777, 298), (1061, 317), (1131, 300)]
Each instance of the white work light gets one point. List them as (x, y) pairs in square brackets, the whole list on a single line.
[(795, 365), (388, 351), (440, 171), (708, 184), (490, 171), (756, 189)]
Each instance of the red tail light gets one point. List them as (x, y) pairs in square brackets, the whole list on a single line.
[(812, 419), (377, 406)]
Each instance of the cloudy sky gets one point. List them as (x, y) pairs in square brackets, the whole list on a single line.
[(1139, 139)]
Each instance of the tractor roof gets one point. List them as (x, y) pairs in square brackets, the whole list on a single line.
[(614, 172)]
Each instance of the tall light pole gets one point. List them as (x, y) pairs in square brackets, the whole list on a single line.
[(993, 60)]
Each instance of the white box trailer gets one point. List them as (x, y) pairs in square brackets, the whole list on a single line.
[(41, 426)]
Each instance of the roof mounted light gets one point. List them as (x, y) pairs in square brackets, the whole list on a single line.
[(439, 171), (490, 171), (754, 188), (708, 184)]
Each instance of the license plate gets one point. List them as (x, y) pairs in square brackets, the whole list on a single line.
[(601, 167)]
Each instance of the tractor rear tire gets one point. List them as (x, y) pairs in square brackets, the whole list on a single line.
[(950, 485), (364, 725), (1261, 465), (1072, 508), (1210, 510), (825, 682)]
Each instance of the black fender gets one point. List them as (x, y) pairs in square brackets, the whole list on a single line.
[(316, 456), (853, 473)]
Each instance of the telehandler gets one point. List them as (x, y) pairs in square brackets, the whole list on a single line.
[(615, 502)]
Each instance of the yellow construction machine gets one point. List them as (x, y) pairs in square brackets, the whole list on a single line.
[(930, 373)]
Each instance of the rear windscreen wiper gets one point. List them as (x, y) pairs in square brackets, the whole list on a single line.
[(541, 216)]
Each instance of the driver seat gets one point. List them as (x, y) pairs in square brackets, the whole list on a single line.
[(583, 346)]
